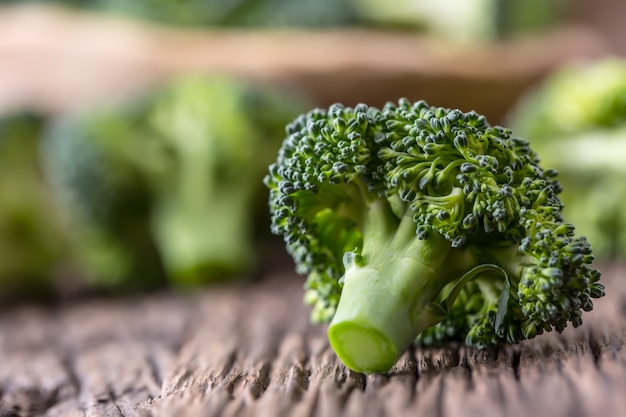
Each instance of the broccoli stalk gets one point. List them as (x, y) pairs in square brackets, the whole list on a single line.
[(220, 135), (400, 275), (202, 226), (423, 222)]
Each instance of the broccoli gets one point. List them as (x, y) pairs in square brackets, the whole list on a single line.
[(106, 200), (169, 184), (221, 136), (423, 220), (33, 244), (576, 119)]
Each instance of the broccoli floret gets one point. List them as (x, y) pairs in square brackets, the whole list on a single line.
[(576, 119), (180, 168), (423, 220)]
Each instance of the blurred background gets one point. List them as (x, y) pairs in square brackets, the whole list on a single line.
[(134, 136)]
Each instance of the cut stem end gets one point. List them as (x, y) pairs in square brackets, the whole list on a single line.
[(362, 348)]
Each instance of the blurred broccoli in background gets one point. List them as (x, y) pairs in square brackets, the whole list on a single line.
[(576, 119), (106, 198), (181, 168), (32, 243)]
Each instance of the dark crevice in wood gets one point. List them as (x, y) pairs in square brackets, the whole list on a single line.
[(414, 371), (230, 382), (307, 373), (261, 383), (68, 364), (305, 369), (468, 371), (361, 382), (595, 348), (456, 356), (228, 364), (302, 368), (52, 399), (516, 359), (113, 400)]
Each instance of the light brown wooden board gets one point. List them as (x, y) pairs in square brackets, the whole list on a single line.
[(250, 351)]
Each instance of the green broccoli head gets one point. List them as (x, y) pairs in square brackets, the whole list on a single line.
[(422, 220), (179, 169)]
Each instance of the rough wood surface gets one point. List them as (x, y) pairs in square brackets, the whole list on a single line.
[(250, 351)]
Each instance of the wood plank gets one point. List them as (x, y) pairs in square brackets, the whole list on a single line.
[(250, 351)]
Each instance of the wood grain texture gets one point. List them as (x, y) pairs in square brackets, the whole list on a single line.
[(250, 351)]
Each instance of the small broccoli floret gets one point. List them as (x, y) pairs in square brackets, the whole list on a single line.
[(179, 170), (422, 220)]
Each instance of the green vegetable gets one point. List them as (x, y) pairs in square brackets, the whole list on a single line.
[(576, 119), (170, 185), (89, 161), (33, 245), (422, 220)]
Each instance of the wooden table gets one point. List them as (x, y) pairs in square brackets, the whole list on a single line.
[(250, 351)]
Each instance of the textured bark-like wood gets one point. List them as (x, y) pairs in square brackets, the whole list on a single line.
[(250, 351)]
